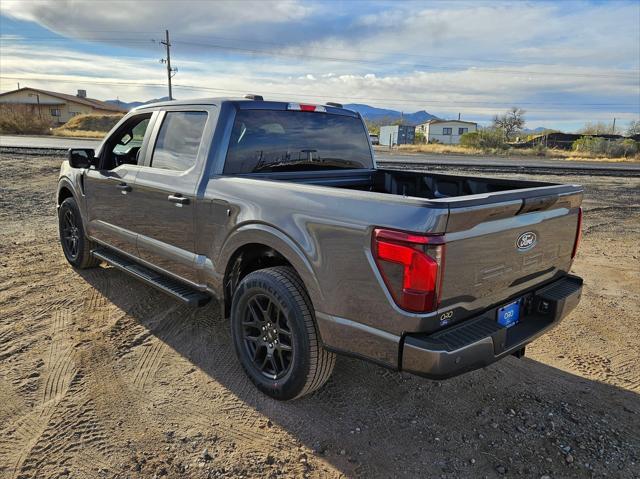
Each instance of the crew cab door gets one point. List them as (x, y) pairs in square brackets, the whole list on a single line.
[(110, 188), (166, 185)]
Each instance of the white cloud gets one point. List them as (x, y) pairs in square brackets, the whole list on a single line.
[(91, 19), (469, 57)]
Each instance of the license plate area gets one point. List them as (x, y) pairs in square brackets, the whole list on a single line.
[(509, 314)]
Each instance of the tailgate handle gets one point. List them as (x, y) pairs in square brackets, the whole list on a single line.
[(538, 203), (178, 199)]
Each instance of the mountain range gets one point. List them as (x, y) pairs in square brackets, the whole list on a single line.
[(382, 115), (135, 104)]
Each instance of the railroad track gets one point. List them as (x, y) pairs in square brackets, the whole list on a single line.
[(595, 170), (560, 169)]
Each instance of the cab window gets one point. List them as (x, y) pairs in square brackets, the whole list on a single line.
[(179, 140), (123, 147)]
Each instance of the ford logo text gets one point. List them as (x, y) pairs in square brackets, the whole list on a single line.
[(526, 241)]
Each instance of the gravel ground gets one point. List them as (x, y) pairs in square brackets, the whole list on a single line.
[(102, 376)]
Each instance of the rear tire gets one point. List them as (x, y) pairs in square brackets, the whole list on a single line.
[(275, 336), (75, 245)]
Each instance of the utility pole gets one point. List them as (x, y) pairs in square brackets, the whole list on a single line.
[(613, 128), (38, 101), (170, 71)]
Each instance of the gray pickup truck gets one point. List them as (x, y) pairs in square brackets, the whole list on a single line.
[(279, 211)]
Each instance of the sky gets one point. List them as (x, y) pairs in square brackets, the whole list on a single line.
[(565, 62)]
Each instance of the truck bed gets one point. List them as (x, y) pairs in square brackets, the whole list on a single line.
[(415, 184)]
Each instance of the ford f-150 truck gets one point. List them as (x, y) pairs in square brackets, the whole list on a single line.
[(280, 211)]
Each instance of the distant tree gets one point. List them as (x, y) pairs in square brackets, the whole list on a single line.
[(634, 128), (372, 127), (510, 123), (599, 128)]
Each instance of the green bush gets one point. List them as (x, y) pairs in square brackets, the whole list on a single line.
[(470, 139), (484, 139), (604, 147), (22, 120)]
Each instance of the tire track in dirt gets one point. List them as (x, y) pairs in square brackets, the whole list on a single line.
[(626, 370), (73, 433), (61, 369), (154, 347), (60, 372)]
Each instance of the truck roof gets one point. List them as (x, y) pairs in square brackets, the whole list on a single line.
[(243, 103)]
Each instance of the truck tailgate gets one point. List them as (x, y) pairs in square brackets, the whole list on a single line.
[(501, 244)]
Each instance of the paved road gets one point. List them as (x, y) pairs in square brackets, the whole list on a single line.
[(512, 162), (52, 142)]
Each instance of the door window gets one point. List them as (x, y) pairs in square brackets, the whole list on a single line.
[(179, 140)]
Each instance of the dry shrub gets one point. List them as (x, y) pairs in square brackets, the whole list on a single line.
[(91, 122), (608, 148), (23, 120)]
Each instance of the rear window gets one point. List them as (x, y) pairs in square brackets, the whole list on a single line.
[(275, 140)]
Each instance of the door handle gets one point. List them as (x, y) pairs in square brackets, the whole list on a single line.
[(178, 200), (123, 187)]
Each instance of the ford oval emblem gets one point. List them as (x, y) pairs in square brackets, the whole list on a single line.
[(526, 241)]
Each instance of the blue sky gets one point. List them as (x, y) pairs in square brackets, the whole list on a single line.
[(566, 63)]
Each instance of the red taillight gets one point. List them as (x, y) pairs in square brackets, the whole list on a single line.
[(411, 266), (576, 243)]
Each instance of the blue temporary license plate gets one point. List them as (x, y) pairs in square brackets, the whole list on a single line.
[(509, 314)]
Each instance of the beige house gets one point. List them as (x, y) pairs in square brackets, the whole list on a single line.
[(445, 131), (58, 107)]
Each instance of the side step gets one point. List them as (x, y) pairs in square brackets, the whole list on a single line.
[(164, 283)]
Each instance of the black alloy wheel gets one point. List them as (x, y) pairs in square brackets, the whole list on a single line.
[(70, 233), (267, 336)]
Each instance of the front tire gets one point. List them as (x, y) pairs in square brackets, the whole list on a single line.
[(75, 245), (275, 336)]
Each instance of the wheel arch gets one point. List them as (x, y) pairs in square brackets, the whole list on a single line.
[(65, 190), (63, 193), (258, 246)]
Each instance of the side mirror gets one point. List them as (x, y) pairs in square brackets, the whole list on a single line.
[(82, 157)]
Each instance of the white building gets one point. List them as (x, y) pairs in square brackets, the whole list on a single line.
[(445, 131)]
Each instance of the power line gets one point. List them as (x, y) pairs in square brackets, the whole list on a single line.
[(381, 62), (451, 104), (284, 45), (632, 74)]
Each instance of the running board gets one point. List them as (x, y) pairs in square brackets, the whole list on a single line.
[(162, 282)]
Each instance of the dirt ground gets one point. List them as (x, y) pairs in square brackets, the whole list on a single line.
[(102, 376)]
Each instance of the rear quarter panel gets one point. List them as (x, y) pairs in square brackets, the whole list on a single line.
[(329, 228)]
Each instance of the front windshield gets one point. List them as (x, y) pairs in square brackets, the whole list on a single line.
[(277, 140)]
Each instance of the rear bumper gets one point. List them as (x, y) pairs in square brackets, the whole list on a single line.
[(480, 341)]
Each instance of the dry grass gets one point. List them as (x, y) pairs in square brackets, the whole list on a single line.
[(87, 126), (62, 131), (23, 120), (439, 149)]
